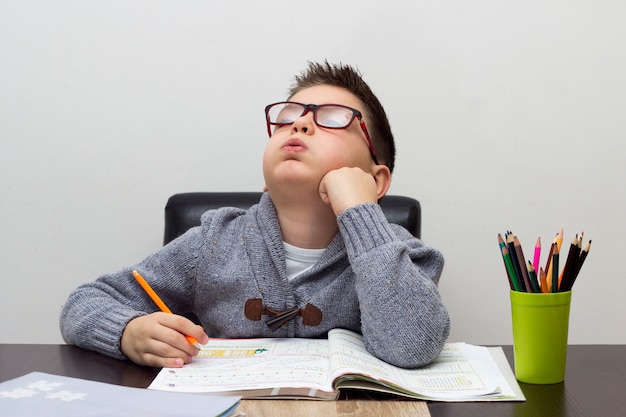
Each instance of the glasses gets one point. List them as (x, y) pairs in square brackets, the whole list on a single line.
[(329, 116)]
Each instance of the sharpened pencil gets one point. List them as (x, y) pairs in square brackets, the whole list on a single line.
[(510, 241), (543, 280), (507, 266), (548, 267), (555, 272), (532, 274), (157, 300), (513, 281), (570, 263), (537, 254), (522, 264), (579, 264)]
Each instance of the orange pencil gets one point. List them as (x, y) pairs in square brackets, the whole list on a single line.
[(559, 239), (157, 300), (548, 268), (543, 281), (555, 250)]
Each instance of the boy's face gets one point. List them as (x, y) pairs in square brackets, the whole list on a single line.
[(303, 153)]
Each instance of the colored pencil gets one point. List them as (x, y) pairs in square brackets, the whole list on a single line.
[(502, 246), (555, 272), (537, 254), (522, 264), (579, 264), (548, 267), (510, 241), (157, 300), (513, 282), (559, 239), (543, 280), (570, 262), (532, 274)]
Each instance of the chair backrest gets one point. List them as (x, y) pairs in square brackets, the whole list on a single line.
[(183, 211)]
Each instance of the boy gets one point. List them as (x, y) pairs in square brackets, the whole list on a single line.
[(316, 253)]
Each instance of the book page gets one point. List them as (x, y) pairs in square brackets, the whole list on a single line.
[(459, 372), (349, 356), (227, 365)]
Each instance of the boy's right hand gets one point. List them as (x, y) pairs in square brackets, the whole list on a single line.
[(346, 187), (158, 340)]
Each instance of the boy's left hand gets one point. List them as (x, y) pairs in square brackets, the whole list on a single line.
[(346, 187)]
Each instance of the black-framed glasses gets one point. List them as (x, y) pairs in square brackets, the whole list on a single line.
[(329, 116)]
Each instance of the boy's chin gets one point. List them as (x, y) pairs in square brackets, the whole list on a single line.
[(293, 186), (295, 175)]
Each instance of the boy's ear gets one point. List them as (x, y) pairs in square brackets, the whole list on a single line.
[(382, 176)]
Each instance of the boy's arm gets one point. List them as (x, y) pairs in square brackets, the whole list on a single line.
[(95, 314), (403, 319)]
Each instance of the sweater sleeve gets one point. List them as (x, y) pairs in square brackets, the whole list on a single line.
[(403, 319), (96, 313)]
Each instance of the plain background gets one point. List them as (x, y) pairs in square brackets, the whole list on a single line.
[(508, 115)]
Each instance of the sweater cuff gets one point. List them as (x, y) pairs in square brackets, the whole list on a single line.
[(107, 335), (364, 227)]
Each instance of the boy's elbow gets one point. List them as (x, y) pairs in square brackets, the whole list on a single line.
[(422, 349), (67, 326), (434, 346)]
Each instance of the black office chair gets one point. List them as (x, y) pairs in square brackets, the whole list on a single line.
[(183, 211)]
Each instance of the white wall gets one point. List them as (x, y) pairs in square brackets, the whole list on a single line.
[(507, 114)]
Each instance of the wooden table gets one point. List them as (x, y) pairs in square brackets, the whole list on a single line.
[(595, 385)]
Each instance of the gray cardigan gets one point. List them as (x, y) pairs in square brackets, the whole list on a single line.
[(374, 278)]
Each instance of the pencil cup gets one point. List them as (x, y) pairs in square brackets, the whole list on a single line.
[(540, 326)]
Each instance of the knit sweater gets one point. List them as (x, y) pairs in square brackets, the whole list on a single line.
[(374, 278)]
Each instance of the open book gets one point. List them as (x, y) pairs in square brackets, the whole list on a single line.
[(319, 368)]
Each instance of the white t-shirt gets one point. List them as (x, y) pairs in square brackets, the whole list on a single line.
[(299, 259)]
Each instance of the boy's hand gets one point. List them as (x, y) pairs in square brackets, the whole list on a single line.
[(158, 339), (346, 187)]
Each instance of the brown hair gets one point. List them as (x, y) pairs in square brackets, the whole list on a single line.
[(347, 77)]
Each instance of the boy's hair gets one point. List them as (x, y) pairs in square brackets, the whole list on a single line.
[(347, 77)]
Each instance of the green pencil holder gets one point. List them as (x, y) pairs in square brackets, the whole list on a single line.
[(540, 327)]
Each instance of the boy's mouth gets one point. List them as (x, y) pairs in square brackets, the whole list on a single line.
[(294, 145)]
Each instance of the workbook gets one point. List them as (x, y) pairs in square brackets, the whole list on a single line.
[(41, 394), (320, 368)]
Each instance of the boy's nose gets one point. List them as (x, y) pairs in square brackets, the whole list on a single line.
[(304, 123)]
